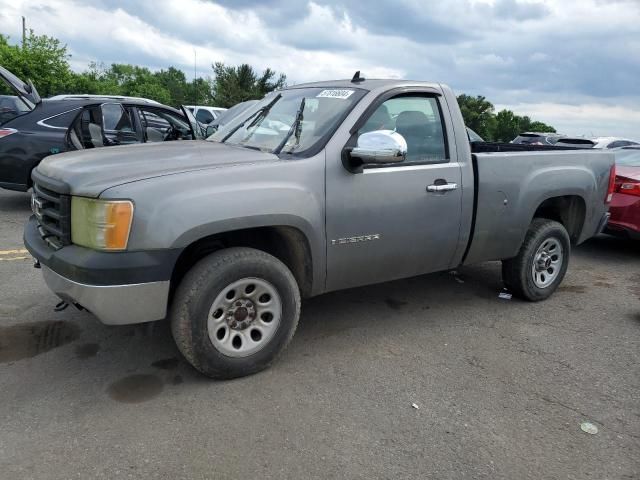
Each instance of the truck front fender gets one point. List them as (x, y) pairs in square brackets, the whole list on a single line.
[(173, 211)]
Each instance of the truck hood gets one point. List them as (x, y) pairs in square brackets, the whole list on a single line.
[(90, 172)]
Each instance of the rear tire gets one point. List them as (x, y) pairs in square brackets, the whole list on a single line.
[(234, 312), (535, 273)]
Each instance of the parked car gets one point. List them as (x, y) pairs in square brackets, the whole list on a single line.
[(374, 180), (596, 142), (576, 142), (537, 138), (10, 107), (205, 115), (625, 205), (77, 122), (613, 142), (228, 115)]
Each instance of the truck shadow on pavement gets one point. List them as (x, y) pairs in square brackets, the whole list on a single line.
[(610, 249), (134, 364)]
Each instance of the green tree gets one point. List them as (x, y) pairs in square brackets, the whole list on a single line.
[(42, 59), (478, 114), (541, 127), (95, 80), (200, 91), (509, 126), (237, 84)]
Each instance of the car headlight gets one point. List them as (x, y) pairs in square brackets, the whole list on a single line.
[(101, 224)]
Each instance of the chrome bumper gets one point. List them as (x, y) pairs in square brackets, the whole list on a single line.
[(113, 304)]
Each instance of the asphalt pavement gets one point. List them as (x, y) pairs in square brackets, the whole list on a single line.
[(501, 386)]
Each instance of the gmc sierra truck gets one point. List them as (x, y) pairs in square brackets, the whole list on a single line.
[(318, 187)]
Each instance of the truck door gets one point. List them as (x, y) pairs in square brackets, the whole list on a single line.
[(395, 220)]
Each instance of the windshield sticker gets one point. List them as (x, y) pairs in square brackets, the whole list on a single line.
[(341, 94)]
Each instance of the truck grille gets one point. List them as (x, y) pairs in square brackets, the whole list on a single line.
[(53, 212)]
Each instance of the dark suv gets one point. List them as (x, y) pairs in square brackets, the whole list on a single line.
[(32, 128)]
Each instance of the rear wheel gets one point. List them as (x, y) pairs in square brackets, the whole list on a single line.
[(538, 269), (235, 312)]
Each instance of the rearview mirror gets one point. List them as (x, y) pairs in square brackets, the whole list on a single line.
[(379, 147)]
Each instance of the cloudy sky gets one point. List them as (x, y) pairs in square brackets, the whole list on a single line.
[(572, 63)]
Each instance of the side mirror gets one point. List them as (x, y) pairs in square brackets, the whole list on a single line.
[(379, 147), (210, 130)]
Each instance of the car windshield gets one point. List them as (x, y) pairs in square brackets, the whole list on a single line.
[(628, 158), (268, 123)]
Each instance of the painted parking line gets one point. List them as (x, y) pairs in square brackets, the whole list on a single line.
[(17, 251), (10, 259)]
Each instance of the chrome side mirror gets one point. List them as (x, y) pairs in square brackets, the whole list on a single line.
[(380, 146)]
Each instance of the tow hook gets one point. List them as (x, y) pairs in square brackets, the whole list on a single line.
[(63, 304), (60, 306), (36, 263)]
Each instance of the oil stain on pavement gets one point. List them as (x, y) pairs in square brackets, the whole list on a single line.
[(136, 388), (27, 340), (87, 350)]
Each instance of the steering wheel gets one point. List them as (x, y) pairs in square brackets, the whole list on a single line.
[(172, 133)]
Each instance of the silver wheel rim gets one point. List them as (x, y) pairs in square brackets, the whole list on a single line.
[(547, 263), (244, 317)]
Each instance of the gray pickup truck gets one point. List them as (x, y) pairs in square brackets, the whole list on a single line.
[(318, 187)]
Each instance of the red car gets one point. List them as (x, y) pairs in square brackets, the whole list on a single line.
[(625, 204)]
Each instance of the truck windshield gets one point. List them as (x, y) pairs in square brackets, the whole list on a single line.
[(267, 123)]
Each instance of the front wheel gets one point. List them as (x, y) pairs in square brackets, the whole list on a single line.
[(234, 312), (538, 269)]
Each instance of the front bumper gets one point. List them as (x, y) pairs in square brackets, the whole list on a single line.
[(119, 288), (113, 304)]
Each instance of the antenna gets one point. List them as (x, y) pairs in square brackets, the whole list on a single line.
[(24, 31), (357, 78)]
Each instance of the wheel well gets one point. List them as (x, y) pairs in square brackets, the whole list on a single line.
[(569, 210), (288, 244)]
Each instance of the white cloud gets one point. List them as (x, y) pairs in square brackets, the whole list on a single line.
[(584, 120), (575, 63)]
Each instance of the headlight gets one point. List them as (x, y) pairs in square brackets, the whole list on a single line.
[(101, 224)]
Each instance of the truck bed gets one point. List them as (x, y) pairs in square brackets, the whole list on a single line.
[(510, 186)]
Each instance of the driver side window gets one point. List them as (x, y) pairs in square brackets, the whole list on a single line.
[(160, 126), (418, 120)]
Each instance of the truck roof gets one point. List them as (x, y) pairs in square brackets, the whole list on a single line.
[(367, 84)]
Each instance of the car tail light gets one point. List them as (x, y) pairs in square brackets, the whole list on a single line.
[(612, 184), (5, 132), (628, 186)]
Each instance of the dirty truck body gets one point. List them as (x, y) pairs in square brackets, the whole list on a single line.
[(208, 218)]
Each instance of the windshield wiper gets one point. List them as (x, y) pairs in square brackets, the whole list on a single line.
[(296, 129), (259, 116)]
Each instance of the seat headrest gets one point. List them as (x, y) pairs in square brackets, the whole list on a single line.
[(411, 119)]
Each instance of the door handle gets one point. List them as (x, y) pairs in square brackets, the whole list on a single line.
[(446, 187)]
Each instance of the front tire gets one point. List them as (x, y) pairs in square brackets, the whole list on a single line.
[(535, 273), (234, 312)]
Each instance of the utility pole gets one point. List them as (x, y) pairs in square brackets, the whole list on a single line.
[(195, 85), (24, 32)]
